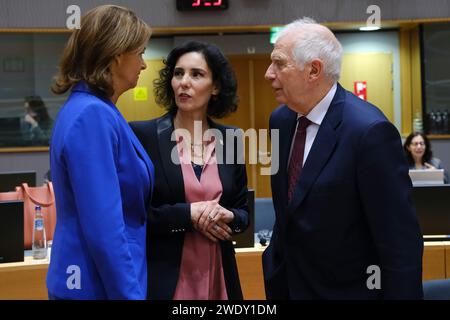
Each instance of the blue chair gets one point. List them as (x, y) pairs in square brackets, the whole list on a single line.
[(436, 289), (264, 214)]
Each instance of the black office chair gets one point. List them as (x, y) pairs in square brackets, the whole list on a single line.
[(436, 289)]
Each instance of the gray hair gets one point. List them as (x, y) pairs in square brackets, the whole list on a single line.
[(311, 45)]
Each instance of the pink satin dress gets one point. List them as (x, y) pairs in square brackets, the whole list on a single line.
[(201, 271)]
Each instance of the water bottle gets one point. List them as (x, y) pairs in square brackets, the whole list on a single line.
[(39, 245), (438, 121), (446, 122), (418, 123), (431, 122)]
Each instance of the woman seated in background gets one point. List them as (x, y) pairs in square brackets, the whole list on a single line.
[(419, 155), (36, 124), (200, 200)]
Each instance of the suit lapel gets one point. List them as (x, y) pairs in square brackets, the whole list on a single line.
[(321, 149), (224, 170), (144, 156), (172, 171)]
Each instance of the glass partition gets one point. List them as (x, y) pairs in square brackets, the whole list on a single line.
[(436, 77), (28, 62)]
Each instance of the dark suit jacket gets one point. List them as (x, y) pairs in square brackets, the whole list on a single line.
[(351, 209), (169, 218)]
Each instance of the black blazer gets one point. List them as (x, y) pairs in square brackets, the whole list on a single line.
[(170, 218)]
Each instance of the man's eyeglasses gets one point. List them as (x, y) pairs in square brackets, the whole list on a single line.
[(416, 144)]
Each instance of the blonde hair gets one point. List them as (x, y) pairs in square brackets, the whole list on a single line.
[(106, 31)]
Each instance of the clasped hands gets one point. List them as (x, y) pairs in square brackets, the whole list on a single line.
[(210, 219), (429, 166)]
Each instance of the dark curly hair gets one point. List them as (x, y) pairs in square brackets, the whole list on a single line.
[(222, 73), (428, 154)]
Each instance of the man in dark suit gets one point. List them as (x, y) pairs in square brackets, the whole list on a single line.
[(345, 227)]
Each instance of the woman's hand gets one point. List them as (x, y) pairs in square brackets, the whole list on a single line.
[(211, 219), (29, 119), (215, 219), (197, 209), (214, 213), (429, 166), (220, 230)]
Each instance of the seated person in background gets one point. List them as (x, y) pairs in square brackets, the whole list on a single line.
[(36, 124), (419, 155)]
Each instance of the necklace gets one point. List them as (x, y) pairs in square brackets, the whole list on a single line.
[(197, 150), (196, 145)]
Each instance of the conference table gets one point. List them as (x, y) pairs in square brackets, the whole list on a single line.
[(26, 280)]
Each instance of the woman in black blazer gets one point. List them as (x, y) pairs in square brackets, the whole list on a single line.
[(197, 83)]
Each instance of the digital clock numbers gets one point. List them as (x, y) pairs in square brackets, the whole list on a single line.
[(202, 5)]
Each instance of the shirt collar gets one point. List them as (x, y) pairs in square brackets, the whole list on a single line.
[(82, 86), (317, 114)]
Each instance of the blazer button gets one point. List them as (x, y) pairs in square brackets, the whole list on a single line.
[(237, 230)]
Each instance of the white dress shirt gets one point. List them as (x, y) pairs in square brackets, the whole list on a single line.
[(316, 116)]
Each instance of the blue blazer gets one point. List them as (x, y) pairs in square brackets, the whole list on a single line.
[(103, 181), (351, 209)]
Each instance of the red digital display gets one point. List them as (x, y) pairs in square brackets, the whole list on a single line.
[(194, 5)]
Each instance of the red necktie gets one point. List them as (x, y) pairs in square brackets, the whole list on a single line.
[(296, 162)]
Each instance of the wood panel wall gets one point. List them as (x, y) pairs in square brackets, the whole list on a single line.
[(410, 76), (256, 104)]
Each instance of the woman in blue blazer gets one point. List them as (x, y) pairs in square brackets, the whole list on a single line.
[(102, 176)]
